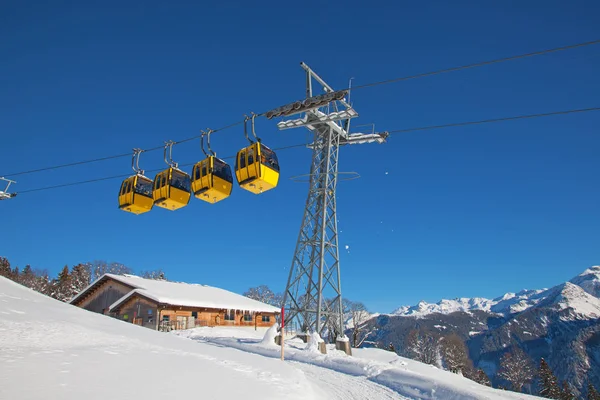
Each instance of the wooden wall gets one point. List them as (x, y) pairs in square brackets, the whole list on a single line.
[(103, 296), (140, 311), (183, 317)]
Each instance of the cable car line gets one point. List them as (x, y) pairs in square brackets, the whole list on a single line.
[(70, 164), (485, 121), (478, 64), (388, 81), (431, 127)]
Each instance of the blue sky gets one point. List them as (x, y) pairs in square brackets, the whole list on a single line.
[(457, 212)]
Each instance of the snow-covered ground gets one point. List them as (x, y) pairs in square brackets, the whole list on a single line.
[(53, 350), (408, 378)]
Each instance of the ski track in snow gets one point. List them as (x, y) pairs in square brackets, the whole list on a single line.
[(336, 385)]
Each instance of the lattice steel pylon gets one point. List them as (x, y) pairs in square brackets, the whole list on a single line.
[(313, 294)]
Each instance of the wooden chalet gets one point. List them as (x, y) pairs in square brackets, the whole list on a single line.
[(164, 305)]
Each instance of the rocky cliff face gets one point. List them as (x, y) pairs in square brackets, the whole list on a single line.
[(560, 324)]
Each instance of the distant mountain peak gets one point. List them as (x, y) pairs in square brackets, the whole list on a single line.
[(589, 280), (582, 294)]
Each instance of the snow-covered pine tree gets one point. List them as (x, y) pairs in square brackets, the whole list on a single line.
[(566, 392), (5, 268), (80, 278), (482, 378), (27, 277), (592, 393), (62, 286), (516, 367), (42, 283), (16, 274), (455, 354), (548, 382)]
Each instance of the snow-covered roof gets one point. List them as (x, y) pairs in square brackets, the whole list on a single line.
[(187, 294)]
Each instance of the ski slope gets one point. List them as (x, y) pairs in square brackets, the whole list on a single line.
[(49, 349)]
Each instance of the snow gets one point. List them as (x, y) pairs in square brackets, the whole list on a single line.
[(411, 379), (573, 298), (187, 294), (582, 295), (589, 280), (50, 349), (53, 350)]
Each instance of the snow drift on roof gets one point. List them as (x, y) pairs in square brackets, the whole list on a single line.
[(189, 294)]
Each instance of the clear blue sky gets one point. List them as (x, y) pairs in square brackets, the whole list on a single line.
[(470, 211)]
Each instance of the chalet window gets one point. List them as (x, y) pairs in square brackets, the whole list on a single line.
[(247, 317), (229, 315), (149, 311), (266, 318), (195, 314), (166, 318)]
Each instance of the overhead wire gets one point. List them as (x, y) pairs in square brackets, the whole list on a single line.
[(478, 64), (388, 81), (485, 121), (423, 128)]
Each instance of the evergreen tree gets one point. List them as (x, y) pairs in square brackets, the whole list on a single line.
[(27, 277), (80, 278), (482, 378), (566, 393), (516, 367), (62, 286), (548, 383), (42, 283), (592, 394), (5, 268)]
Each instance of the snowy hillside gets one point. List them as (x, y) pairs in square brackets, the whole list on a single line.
[(512, 303), (49, 349)]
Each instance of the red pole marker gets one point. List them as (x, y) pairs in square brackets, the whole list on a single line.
[(281, 331)]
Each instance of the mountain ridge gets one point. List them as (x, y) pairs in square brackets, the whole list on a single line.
[(512, 303)]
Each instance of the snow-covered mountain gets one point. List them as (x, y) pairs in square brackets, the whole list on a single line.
[(581, 292), (560, 324), (589, 281)]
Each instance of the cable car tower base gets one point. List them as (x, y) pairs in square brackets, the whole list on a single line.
[(313, 295)]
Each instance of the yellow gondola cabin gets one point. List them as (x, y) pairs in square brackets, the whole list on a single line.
[(257, 168), (212, 180), (135, 195), (171, 189)]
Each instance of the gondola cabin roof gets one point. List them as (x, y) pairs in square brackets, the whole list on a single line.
[(180, 294)]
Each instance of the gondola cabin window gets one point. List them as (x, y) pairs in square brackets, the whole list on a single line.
[(223, 171), (269, 158), (144, 187), (180, 180)]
